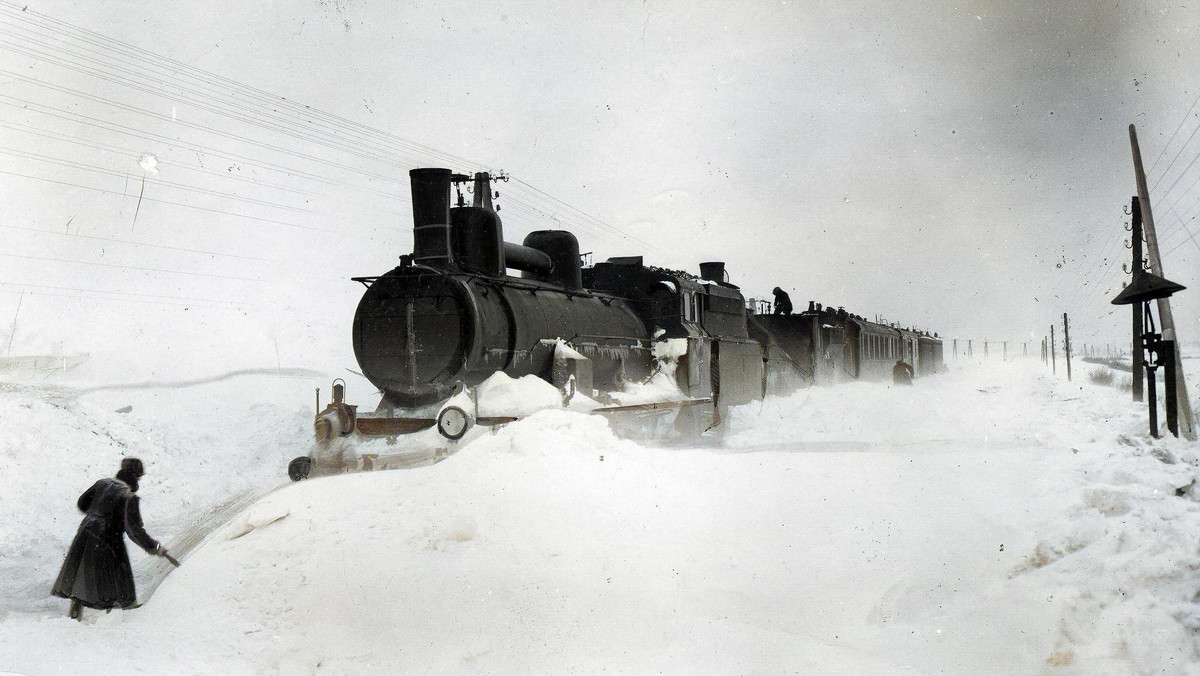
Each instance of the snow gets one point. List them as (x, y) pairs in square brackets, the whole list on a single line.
[(501, 395), (993, 519)]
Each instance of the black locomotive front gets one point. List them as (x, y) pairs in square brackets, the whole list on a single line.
[(451, 314)]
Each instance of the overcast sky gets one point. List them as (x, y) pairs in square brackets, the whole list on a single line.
[(961, 167)]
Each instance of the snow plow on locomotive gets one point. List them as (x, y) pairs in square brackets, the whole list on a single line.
[(433, 333)]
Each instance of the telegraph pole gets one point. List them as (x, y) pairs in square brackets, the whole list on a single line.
[(1137, 363), (1053, 368), (1187, 426), (1067, 345)]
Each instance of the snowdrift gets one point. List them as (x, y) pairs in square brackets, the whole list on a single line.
[(991, 520)]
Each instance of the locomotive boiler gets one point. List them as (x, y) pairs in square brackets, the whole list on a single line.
[(450, 314)]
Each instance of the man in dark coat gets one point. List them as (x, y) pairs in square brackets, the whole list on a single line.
[(783, 302), (902, 373), (96, 572)]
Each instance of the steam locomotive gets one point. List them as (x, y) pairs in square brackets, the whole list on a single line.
[(450, 316)]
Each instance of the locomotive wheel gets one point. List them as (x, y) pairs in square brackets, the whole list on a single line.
[(299, 468)]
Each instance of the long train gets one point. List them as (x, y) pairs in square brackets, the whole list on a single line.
[(450, 316)]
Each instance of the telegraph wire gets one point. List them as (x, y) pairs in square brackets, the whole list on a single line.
[(141, 269), (589, 218), (162, 201), (129, 242), (1188, 232), (199, 127), (204, 302), (1168, 144), (187, 95), (210, 82), (170, 184), (272, 99), (587, 222), (130, 131), (125, 151), (237, 89)]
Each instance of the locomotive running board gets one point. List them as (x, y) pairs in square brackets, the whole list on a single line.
[(391, 427), (653, 406), (394, 427)]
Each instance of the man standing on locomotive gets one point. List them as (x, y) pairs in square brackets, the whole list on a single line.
[(96, 572), (783, 302)]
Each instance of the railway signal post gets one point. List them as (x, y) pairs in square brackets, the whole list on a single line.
[(1186, 422), (1144, 288)]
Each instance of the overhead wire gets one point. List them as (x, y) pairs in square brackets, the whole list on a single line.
[(1168, 144), (363, 142), (162, 201), (152, 181), (117, 150), (342, 124), (126, 296), (203, 128), (202, 252), (233, 88), (197, 148), (140, 268)]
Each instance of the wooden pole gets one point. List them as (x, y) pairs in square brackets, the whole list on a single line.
[(1136, 366), (1187, 426), (1067, 345), (1053, 367)]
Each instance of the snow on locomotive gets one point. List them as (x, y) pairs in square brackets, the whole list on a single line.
[(436, 328)]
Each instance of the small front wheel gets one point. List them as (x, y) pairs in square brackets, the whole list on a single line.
[(299, 468), (453, 422)]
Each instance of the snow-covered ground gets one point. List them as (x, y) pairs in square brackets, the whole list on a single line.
[(994, 519)]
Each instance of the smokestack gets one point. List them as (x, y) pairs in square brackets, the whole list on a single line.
[(431, 217), (713, 272)]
